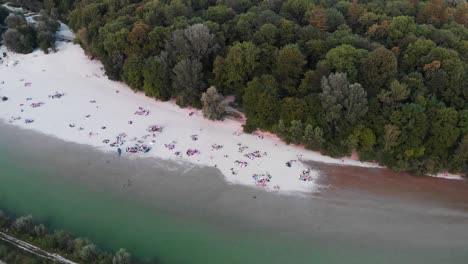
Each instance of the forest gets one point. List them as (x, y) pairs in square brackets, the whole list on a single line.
[(387, 80)]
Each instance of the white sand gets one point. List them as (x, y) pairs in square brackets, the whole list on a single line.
[(69, 71)]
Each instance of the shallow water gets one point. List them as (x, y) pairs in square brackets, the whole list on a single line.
[(175, 213)]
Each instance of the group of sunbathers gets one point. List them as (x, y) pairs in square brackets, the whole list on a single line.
[(139, 148), (154, 128), (262, 179), (192, 152), (57, 95), (216, 147), (35, 105), (141, 111), (305, 175), (241, 164), (253, 155), (170, 146)]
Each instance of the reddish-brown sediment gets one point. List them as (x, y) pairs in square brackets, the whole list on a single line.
[(386, 182)]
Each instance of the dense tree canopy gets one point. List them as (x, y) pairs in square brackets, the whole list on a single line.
[(388, 79)]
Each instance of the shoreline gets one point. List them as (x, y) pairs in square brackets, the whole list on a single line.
[(77, 103), (387, 183)]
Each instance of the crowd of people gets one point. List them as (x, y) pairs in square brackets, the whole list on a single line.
[(262, 179)]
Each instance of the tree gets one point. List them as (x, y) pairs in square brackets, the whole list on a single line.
[(3, 14), (414, 127), (245, 26), (345, 103), (62, 240), (443, 132), (196, 42), (21, 40), (334, 19), (88, 253), (293, 109), (414, 53), (460, 156), (138, 38), (309, 84), (401, 26), (23, 225), (15, 21), (365, 138), (463, 121), (296, 10), (260, 103), (289, 66), (267, 33), (380, 67), (122, 257), (379, 31), (110, 47), (219, 13), (280, 129), (46, 30), (267, 58), (398, 92), (461, 15), (188, 82), (233, 72), (391, 136), (213, 104), (444, 73), (239, 6), (133, 72), (40, 230), (313, 137), (354, 13), (437, 12), (157, 39), (318, 18), (287, 30), (157, 82), (46, 41), (296, 132), (315, 50), (345, 58)]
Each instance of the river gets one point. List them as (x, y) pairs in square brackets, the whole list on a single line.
[(167, 212)]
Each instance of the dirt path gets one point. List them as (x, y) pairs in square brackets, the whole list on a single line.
[(33, 249)]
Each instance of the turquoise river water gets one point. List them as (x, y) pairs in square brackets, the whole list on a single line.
[(163, 216)]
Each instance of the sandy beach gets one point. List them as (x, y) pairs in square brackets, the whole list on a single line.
[(68, 96)]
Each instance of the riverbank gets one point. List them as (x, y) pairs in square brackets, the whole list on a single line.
[(66, 95), (79, 188), (385, 182)]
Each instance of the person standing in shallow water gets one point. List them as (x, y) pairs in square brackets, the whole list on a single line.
[(119, 150)]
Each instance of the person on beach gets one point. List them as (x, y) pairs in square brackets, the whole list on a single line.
[(119, 150)]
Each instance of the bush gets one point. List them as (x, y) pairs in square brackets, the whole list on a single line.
[(21, 40), (15, 21), (121, 257), (23, 224), (213, 104), (3, 14)]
